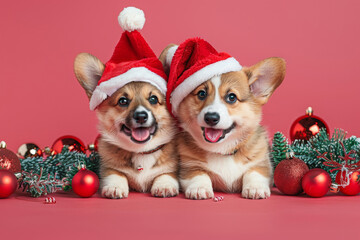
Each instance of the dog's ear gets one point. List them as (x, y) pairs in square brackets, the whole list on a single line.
[(88, 70), (166, 57), (265, 76)]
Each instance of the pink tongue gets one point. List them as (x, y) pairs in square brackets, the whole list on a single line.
[(140, 134), (212, 134)]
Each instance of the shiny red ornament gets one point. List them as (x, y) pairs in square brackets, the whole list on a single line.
[(9, 161), (8, 183), (85, 183), (351, 180), (288, 174), (307, 126), (316, 182), (73, 143), (29, 150)]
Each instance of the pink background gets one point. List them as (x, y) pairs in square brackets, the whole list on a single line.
[(147, 218), (41, 100)]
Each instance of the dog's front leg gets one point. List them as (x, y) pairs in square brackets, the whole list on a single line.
[(114, 184), (197, 185), (256, 183), (165, 185)]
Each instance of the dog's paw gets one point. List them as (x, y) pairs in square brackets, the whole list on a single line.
[(259, 192), (164, 190), (115, 192), (199, 193), (198, 187), (114, 186), (256, 186), (165, 186)]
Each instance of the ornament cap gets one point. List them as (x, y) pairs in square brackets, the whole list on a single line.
[(91, 147), (290, 155), (2, 144), (81, 166), (47, 151), (309, 111)]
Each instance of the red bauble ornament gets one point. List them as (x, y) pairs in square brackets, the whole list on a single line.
[(316, 182), (307, 126), (8, 183), (9, 160), (288, 174), (85, 183), (351, 180), (74, 143)]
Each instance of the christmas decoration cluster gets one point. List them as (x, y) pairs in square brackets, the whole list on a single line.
[(39, 172), (314, 162)]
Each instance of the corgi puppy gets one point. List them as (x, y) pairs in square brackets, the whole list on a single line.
[(128, 94), (222, 146), (136, 146)]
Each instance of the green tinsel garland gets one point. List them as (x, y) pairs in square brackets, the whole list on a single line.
[(43, 175), (309, 151)]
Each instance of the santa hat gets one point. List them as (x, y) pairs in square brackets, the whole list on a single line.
[(132, 60), (192, 63)]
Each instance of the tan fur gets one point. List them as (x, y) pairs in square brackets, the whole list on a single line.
[(162, 58), (119, 154), (252, 86), (87, 67)]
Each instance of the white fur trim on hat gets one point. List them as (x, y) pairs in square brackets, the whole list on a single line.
[(201, 76), (131, 18), (138, 74)]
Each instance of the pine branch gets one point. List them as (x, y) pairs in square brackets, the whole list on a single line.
[(279, 148)]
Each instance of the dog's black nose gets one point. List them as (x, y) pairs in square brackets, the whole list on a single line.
[(212, 118), (140, 117)]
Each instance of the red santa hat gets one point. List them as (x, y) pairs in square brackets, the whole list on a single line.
[(192, 63), (132, 60)]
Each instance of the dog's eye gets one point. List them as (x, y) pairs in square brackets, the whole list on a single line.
[(153, 99), (202, 94), (123, 102), (231, 98)]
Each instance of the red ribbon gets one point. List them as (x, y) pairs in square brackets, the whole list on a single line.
[(338, 166)]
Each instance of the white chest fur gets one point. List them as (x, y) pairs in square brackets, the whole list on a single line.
[(226, 168), (145, 170)]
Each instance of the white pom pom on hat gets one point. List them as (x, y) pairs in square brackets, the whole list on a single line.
[(131, 19)]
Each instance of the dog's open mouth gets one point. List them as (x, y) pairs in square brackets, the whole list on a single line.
[(140, 134), (214, 135)]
